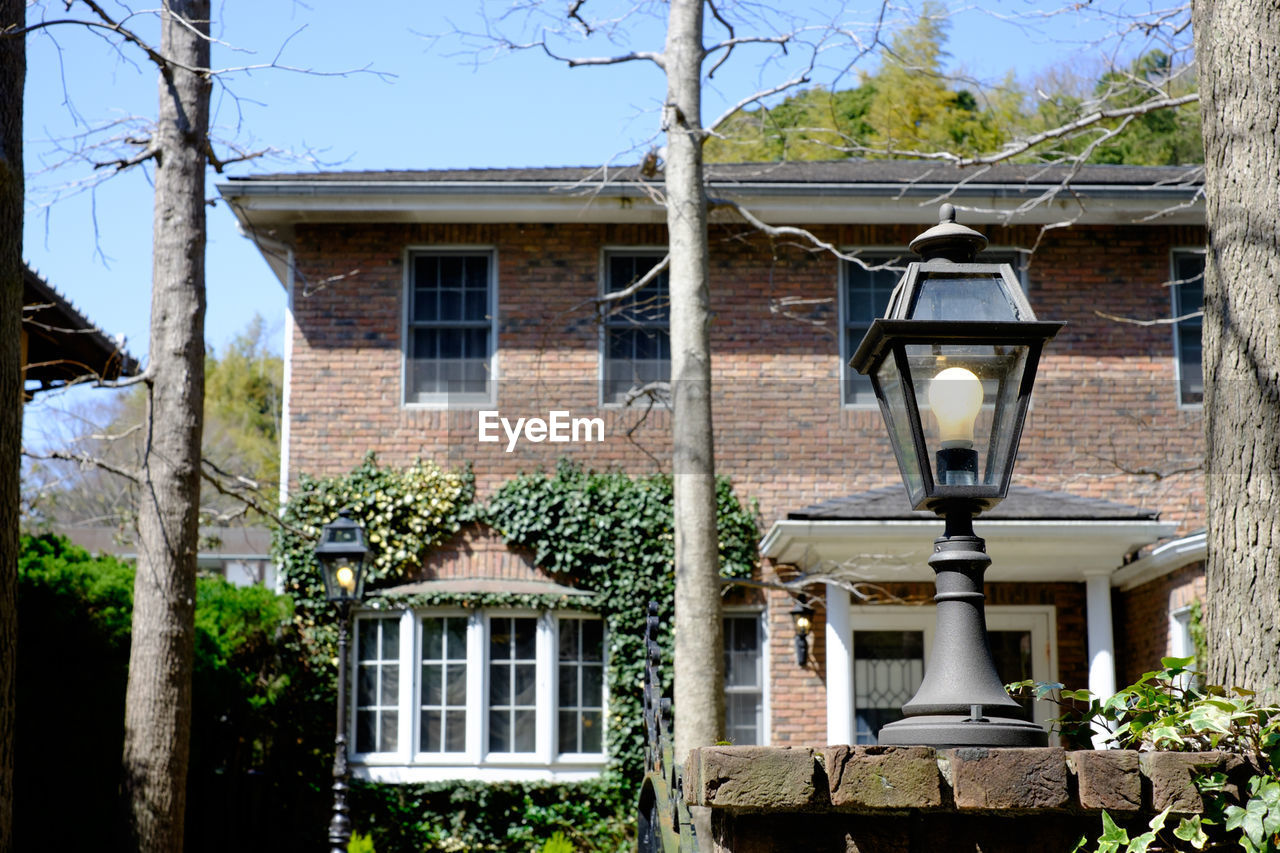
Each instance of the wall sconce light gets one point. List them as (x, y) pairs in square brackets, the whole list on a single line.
[(803, 618)]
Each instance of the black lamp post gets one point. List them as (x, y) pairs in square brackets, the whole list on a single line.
[(343, 556), (952, 364), (802, 618)]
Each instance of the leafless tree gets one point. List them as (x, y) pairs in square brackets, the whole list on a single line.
[(12, 76)]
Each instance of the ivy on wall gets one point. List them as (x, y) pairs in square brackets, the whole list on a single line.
[(605, 532)]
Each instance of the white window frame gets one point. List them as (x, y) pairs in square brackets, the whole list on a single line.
[(607, 252), (1174, 254), (408, 764), (875, 255), (762, 623), (446, 400), (1039, 620)]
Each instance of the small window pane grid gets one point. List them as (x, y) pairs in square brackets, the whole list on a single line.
[(513, 680), (1188, 298), (450, 324), (743, 680), (866, 297), (443, 702), (377, 685), (637, 345), (580, 680), (888, 667)]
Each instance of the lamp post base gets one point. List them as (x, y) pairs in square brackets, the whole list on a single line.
[(944, 731)]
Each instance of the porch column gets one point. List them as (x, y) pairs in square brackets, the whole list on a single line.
[(1102, 666), (839, 640)]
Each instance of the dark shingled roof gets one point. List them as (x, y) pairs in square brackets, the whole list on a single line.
[(62, 345), (802, 172), (1022, 504)]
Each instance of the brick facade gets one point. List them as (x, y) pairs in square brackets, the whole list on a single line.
[(1105, 422), (1151, 605)]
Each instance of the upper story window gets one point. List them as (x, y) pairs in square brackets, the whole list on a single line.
[(864, 296), (486, 695), (637, 341), (1188, 302), (449, 328), (744, 679)]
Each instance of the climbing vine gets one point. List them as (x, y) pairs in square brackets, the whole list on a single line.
[(607, 533)]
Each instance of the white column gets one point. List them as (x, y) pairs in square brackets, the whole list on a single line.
[(1102, 667), (839, 640)]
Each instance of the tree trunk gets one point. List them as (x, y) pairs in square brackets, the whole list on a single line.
[(13, 70), (158, 698), (1237, 52), (699, 656)]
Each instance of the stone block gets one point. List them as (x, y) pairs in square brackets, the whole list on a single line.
[(883, 777), (1107, 779), (1008, 779), (755, 777), (1172, 776)]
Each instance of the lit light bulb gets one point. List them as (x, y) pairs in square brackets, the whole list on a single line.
[(346, 578), (955, 395)]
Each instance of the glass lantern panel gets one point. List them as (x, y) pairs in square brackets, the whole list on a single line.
[(970, 297), (897, 418), (967, 396)]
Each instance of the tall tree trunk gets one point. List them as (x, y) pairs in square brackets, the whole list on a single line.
[(699, 656), (13, 71), (158, 698), (1237, 53)]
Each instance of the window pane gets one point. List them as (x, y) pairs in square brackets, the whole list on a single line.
[(525, 633), (456, 630), (568, 686), (1011, 651), (592, 732), (449, 340), (500, 684), (1188, 298), (432, 639), (367, 688), (455, 731), (592, 639), (457, 684), (526, 684), (526, 725), (568, 729), (388, 733), (592, 686), (431, 731), (637, 343), (431, 685), (888, 667), (499, 731), (743, 678)]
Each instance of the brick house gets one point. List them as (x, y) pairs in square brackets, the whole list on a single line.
[(421, 303)]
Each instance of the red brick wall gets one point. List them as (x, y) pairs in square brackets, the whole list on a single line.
[(1142, 620), (1105, 421)]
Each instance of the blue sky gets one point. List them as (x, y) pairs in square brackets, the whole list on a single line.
[(444, 108)]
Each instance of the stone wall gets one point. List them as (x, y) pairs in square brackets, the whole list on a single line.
[(909, 799)]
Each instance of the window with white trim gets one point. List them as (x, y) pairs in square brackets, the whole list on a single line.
[(449, 326), (891, 647), (1188, 302), (744, 679), (637, 338), (864, 296), (497, 694)]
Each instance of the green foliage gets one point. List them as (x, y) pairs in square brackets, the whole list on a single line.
[(1172, 709), (513, 816), (911, 105), (606, 533), (557, 843), (73, 652), (360, 843), (244, 389)]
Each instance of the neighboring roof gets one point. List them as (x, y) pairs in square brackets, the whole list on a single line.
[(62, 345), (1022, 504), (232, 543)]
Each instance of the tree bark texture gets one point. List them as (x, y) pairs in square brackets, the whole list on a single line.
[(1238, 51), (699, 656), (13, 69), (158, 697)]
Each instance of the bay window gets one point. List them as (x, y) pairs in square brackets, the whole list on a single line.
[(491, 694)]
